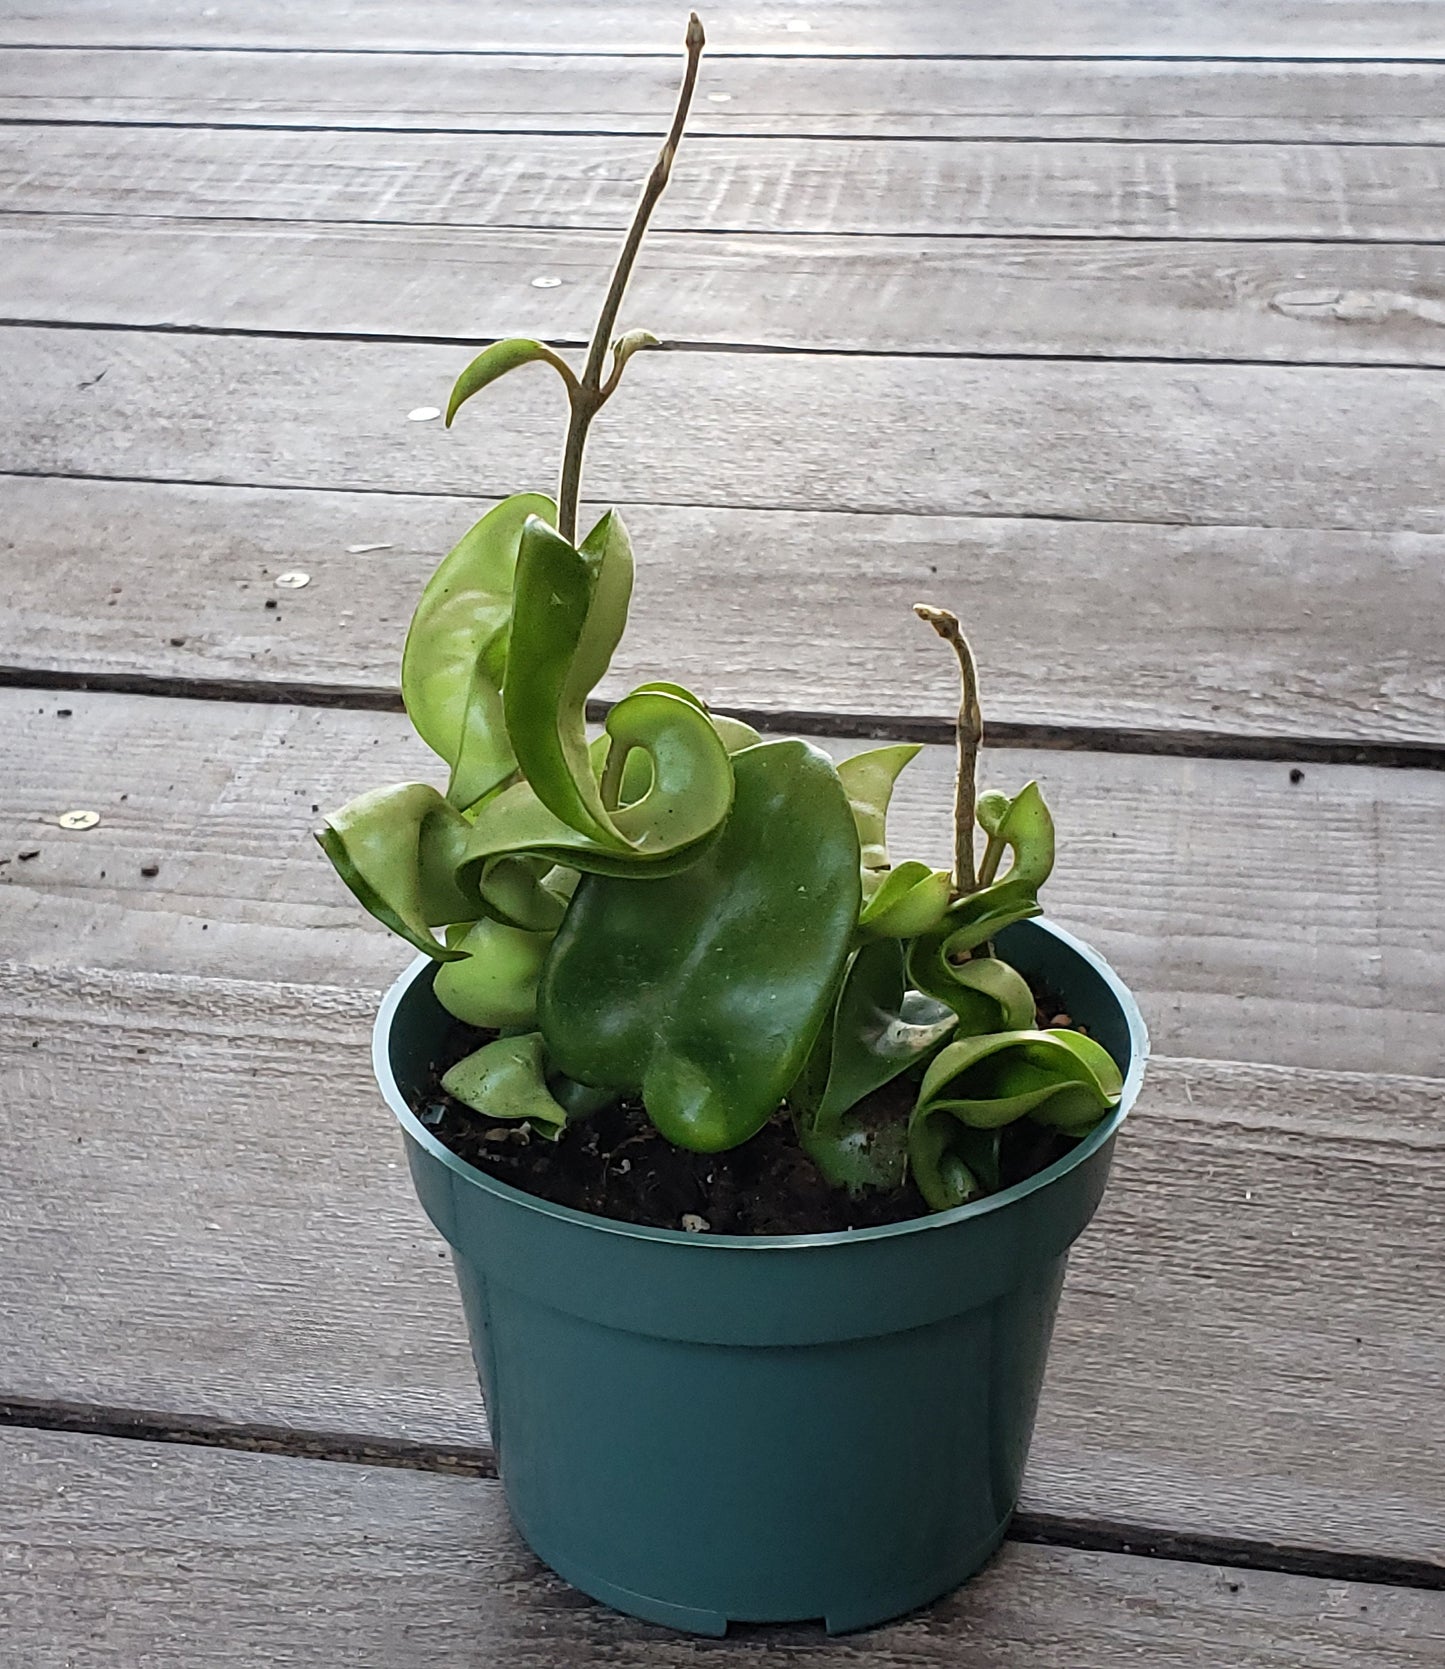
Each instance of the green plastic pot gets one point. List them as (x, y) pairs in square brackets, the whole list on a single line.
[(705, 1429)]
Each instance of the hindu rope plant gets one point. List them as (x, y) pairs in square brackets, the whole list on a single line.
[(678, 910)]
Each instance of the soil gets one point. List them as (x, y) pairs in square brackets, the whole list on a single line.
[(614, 1164)]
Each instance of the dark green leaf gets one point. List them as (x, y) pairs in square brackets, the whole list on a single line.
[(705, 991)]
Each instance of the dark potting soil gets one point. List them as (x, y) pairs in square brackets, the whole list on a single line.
[(614, 1164)]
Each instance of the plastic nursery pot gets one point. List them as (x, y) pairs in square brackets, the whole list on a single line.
[(704, 1429)]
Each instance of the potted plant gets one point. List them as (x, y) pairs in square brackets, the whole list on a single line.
[(758, 1160)]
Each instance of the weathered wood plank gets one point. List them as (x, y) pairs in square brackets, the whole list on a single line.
[(109, 1563), (1267, 446), (923, 98), (1202, 630), (929, 28), (1257, 918), (206, 1211), (976, 187), (1321, 303)]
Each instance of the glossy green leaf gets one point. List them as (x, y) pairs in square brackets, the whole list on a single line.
[(506, 1079), (868, 780), (986, 994), (568, 613), (689, 794), (496, 361), (878, 1029), (514, 891), (951, 1163), (455, 657), (704, 991), (398, 849), (1024, 827), (1061, 1077), (496, 982), (911, 899)]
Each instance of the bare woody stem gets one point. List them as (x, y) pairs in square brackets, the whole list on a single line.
[(970, 739), (588, 397)]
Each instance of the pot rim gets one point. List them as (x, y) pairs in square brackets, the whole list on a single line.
[(417, 1132)]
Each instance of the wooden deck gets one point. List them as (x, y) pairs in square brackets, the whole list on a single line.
[(1135, 310)]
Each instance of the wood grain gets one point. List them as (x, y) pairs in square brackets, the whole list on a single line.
[(298, 1560), (1266, 446), (1316, 303), (1369, 29), (1359, 193), (207, 1211), (923, 98), (1257, 918), (1203, 630)]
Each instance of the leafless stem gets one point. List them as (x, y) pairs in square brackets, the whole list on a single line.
[(588, 397), (970, 739)]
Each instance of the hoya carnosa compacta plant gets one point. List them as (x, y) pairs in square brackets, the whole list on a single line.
[(677, 910)]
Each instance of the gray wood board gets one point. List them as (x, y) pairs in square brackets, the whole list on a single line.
[(1005, 188), (109, 1564), (1257, 918), (928, 28), (1245, 446), (1249, 633), (207, 1212), (1320, 303), (924, 98)]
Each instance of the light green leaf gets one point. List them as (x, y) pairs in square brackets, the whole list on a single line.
[(569, 611), (868, 780), (878, 1029), (398, 849), (496, 983), (496, 361), (455, 658), (911, 900), (506, 1079)]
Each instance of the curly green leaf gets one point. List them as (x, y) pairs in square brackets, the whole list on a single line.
[(495, 985), (455, 658), (567, 617), (878, 1030), (1061, 1078), (868, 779), (506, 1079), (910, 900), (705, 991), (399, 849)]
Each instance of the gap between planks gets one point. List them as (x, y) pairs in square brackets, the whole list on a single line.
[(895, 727), (986, 98), (703, 345), (1037, 1529), (1179, 191)]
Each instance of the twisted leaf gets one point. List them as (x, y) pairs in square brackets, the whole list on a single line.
[(569, 610), (977, 1085), (399, 850), (704, 991), (506, 1079), (868, 780), (495, 984), (910, 900), (986, 994), (1062, 1078), (455, 658), (877, 1030), (951, 1163)]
